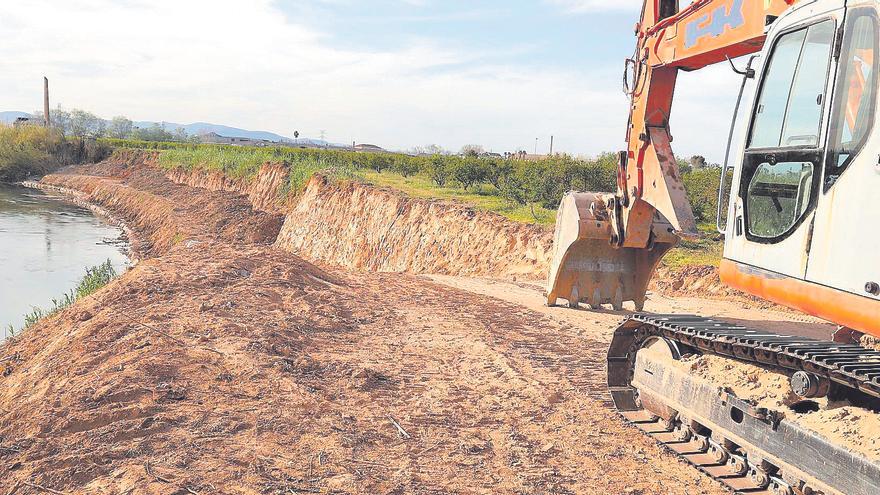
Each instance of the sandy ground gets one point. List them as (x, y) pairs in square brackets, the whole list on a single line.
[(220, 364)]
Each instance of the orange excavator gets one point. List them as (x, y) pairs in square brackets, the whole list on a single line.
[(800, 230)]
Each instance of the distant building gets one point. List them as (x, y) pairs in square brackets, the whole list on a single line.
[(369, 148), (525, 156), (25, 121), (214, 138)]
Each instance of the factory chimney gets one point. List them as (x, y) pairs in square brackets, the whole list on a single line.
[(46, 121)]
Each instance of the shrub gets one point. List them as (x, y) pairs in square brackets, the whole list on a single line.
[(27, 151), (702, 191)]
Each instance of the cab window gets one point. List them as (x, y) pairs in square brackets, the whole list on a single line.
[(852, 115), (783, 160), (789, 111)]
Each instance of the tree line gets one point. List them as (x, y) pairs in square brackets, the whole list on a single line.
[(526, 183), (77, 123)]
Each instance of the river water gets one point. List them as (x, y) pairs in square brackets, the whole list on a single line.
[(46, 244)]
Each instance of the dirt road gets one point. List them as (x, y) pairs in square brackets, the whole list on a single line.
[(223, 365)]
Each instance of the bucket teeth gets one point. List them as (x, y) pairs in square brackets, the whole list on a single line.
[(574, 299), (617, 302), (596, 300)]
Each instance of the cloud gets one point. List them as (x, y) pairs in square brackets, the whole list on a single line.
[(590, 6), (251, 66)]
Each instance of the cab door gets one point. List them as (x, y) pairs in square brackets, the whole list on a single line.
[(845, 247), (780, 174)]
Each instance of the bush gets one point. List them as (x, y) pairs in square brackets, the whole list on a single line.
[(27, 151), (702, 191)]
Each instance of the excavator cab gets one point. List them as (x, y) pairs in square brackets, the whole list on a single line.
[(807, 163)]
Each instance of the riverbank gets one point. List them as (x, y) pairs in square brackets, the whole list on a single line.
[(79, 199)]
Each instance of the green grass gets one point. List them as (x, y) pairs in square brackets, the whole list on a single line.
[(704, 251), (94, 279), (485, 198), (245, 163)]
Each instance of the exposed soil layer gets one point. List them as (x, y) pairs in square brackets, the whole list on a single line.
[(703, 281), (266, 191), (367, 228), (222, 364)]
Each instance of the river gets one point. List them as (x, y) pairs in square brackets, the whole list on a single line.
[(46, 244)]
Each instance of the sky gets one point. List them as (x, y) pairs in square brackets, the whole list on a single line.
[(397, 73)]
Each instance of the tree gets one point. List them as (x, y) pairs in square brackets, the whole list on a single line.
[(526, 185), (377, 161), (61, 120), (407, 165), (472, 150), (153, 133), (437, 169), (86, 124), (599, 175), (497, 170), (468, 171), (180, 135), (430, 149), (697, 162), (120, 127)]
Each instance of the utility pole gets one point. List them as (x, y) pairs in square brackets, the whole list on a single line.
[(536, 146), (46, 120), (551, 145)]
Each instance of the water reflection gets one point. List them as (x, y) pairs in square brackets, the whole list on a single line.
[(45, 246)]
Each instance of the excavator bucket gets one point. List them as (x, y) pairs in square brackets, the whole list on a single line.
[(588, 267)]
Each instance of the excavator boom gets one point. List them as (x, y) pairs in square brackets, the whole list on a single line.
[(608, 245)]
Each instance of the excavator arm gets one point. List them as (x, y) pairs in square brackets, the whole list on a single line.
[(705, 33), (608, 246)]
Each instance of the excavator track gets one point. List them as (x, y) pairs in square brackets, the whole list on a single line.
[(749, 449)]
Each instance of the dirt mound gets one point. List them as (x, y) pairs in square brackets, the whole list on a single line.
[(166, 213), (705, 282), (367, 228)]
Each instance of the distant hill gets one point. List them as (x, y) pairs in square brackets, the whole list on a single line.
[(9, 117), (197, 128)]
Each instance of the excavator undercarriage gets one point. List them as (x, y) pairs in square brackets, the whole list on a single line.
[(749, 449)]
